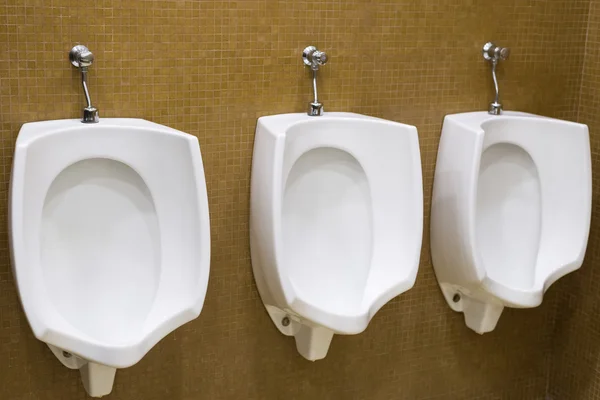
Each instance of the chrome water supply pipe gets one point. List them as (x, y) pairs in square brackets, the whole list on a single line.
[(82, 58), (314, 58), (494, 54)]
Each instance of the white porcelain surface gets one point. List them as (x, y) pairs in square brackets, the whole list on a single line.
[(110, 238), (335, 222), (510, 210)]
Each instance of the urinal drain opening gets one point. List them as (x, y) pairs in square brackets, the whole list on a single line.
[(66, 354), (285, 321), (456, 298)]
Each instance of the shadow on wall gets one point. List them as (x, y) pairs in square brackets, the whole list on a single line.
[(575, 370), (47, 375)]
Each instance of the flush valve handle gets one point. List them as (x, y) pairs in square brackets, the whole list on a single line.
[(319, 57), (314, 58), (81, 57), (504, 53), (494, 53)]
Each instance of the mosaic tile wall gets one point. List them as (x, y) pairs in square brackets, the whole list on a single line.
[(576, 343), (210, 68)]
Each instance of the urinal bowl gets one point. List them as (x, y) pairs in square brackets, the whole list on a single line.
[(511, 210), (329, 205), (110, 249)]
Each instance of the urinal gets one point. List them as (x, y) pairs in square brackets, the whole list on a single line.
[(510, 210), (109, 234), (336, 221)]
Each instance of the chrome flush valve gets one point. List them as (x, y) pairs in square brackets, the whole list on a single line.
[(494, 54), (82, 58), (314, 59)]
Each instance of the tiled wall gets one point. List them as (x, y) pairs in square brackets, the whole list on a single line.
[(576, 342), (210, 68)]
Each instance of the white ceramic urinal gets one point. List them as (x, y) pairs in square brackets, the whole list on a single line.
[(510, 211), (336, 221), (110, 242)]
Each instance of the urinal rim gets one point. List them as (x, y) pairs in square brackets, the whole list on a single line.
[(532, 297), (115, 355), (278, 127)]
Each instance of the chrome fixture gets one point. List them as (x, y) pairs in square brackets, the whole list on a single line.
[(494, 54), (314, 59), (82, 58)]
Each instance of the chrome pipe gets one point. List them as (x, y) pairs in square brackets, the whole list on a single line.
[(314, 59), (494, 54), (82, 58)]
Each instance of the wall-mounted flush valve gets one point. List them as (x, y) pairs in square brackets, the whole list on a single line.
[(494, 54), (314, 59), (82, 58)]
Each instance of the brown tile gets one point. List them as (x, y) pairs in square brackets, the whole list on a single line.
[(210, 68)]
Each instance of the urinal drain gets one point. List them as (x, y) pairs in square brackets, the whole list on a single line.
[(285, 321), (66, 354), (456, 298)]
